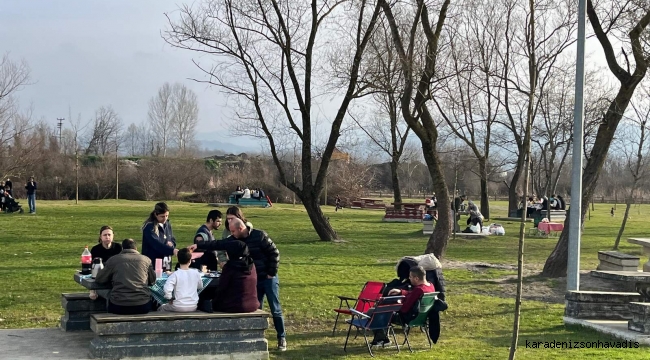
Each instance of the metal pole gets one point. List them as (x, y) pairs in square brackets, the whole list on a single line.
[(575, 213)]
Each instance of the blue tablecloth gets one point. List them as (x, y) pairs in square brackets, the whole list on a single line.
[(157, 291)]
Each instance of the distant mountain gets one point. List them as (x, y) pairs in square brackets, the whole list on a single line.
[(221, 141)]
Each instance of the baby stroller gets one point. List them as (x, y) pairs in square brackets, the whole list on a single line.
[(11, 205)]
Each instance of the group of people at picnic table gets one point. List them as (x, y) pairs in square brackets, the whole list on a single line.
[(248, 259), (534, 204)]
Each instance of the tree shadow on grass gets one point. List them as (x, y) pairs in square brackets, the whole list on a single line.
[(322, 345)]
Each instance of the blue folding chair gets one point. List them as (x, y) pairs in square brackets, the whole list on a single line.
[(377, 318)]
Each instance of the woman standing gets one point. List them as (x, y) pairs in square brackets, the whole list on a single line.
[(106, 247), (157, 238)]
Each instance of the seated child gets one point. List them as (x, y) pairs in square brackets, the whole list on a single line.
[(184, 283)]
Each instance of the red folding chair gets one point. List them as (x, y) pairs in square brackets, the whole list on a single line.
[(369, 294)]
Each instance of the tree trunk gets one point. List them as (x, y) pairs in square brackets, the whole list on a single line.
[(397, 194), (620, 231), (485, 200), (437, 243), (319, 221), (513, 194), (556, 264)]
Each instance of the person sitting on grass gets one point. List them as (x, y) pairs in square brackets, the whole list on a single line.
[(410, 308), (184, 283), (130, 274)]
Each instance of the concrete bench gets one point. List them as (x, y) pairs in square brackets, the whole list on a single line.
[(640, 320), (616, 261), (427, 228), (78, 307), (471, 236), (646, 249), (165, 334), (600, 305), (248, 201)]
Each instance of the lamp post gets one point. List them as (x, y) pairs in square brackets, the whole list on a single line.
[(575, 212)]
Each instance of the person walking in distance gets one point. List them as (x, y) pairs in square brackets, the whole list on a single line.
[(31, 194)]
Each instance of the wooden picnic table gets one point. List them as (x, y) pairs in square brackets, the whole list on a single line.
[(645, 242), (405, 205)]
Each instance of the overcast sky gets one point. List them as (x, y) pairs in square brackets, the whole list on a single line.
[(87, 54)]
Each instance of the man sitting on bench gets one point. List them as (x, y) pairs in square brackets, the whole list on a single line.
[(131, 274), (409, 310)]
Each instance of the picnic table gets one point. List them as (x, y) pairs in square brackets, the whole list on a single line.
[(368, 203), (645, 242), (548, 227), (157, 291), (408, 206), (641, 280)]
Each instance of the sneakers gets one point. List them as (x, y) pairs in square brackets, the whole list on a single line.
[(282, 344), (381, 343)]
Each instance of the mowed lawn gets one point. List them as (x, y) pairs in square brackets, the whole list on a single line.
[(39, 254)]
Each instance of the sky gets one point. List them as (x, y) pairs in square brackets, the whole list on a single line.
[(88, 54), (85, 54)]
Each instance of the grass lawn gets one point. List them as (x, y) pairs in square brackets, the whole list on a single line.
[(39, 253)]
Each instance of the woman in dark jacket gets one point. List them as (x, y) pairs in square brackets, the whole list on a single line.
[(157, 238), (237, 289)]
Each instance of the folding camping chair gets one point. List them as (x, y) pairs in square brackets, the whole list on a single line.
[(369, 294), (426, 304), (377, 318)]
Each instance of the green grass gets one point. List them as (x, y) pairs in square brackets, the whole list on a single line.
[(39, 253)]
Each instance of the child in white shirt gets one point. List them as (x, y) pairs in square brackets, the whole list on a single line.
[(185, 283)]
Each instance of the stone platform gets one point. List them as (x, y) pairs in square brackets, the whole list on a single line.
[(219, 335)]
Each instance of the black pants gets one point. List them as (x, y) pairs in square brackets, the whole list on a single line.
[(129, 310)]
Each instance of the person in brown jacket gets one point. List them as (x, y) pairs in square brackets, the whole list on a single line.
[(130, 274)]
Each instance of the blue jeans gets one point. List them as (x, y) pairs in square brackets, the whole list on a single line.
[(271, 288), (31, 200)]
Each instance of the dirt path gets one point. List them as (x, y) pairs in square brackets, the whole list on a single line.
[(534, 287)]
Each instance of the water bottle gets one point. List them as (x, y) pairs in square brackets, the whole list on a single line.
[(166, 266), (97, 265), (86, 262)]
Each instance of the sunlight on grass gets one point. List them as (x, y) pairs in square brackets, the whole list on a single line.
[(39, 254)]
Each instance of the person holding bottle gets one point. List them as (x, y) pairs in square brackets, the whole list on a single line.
[(158, 240)]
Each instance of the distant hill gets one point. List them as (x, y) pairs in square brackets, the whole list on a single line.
[(222, 142)]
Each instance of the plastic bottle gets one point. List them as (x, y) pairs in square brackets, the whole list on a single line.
[(86, 262)]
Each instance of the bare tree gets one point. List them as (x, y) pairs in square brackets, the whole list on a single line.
[(185, 117), (105, 127), (417, 93), (132, 139), (386, 129), (468, 99), (15, 124), (161, 117), (269, 56), (13, 77), (626, 22), (20, 143), (553, 132), (555, 21), (634, 143)]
